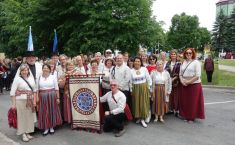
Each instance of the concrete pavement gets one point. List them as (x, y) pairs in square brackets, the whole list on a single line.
[(217, 129), (4, 140), (227, 68)]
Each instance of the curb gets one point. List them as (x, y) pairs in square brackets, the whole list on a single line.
[(218, 87), (4, 140)]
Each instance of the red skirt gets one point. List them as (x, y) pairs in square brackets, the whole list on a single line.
[(174, 98), (67, 108), (192, 102)]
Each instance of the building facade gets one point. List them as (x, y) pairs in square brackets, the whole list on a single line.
[(226, 6)]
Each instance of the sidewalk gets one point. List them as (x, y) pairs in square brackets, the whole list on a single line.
[(227, 68), (4, 140)]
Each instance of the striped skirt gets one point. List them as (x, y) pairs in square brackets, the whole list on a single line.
[(140, 100), (49, 112), (159, 107)]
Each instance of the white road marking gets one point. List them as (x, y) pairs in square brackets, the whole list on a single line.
[(212, 103)]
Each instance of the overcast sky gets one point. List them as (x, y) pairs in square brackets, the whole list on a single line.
[(204, 9)]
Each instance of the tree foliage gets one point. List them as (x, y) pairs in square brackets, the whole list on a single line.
[(218, 32), (82, 26), (185, 32), (223, 36)]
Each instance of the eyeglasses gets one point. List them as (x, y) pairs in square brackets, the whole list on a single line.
[(188, 53)]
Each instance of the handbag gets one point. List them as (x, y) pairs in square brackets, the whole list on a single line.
[(12, 117), (127, 111)]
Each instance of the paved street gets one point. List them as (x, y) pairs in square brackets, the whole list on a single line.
[(227, 68), (217, 129)]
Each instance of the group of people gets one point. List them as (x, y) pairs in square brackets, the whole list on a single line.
[(8, 70), (150, 87)]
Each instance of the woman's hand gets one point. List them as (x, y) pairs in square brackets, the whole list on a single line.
[(58, 100), (107, 113), (13, 106), (184, 83)]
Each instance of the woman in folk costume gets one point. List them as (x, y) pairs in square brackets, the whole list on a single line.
[(191, 100), (70, 70), (141, 83), (61, 69), (152, 63), (108, 67), (161, 90), (49, 115), (80, 67), (152, 59), (24, 100), (173, 67), (94, 69)]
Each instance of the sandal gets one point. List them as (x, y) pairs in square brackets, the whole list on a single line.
[(25, 138), (29, 136)]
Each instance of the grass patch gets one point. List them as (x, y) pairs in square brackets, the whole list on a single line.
[(215, 76), (226, 78), (219, 77), (229, 62)]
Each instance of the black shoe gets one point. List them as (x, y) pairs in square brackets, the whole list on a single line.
[(120, 133), (51, 133), (176, 114), (45, 134)]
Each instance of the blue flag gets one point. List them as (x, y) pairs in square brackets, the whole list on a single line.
[(55, 42), (30, 41)]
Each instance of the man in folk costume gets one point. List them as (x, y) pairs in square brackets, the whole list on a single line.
[(35, 67), (122, 74), (115, 116)]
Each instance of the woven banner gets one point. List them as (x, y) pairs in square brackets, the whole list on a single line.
[(84, 94)]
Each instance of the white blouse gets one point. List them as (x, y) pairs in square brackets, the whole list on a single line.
[(47, 83), (123, 76), (193, 69), (172, 65), (20, 84), (115, 107), (141, 76), (81, 70), (162, 78), (106, 78)]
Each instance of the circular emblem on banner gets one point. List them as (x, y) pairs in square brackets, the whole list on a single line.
[(84, 101)]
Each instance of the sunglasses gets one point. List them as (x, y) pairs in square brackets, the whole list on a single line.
[(188, 53)]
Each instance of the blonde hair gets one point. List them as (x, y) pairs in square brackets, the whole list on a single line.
[(22, 67)]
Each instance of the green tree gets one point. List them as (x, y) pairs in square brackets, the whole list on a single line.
[(14, 21), (82, 26), (185, 32), (205, 38), (218, 33)]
